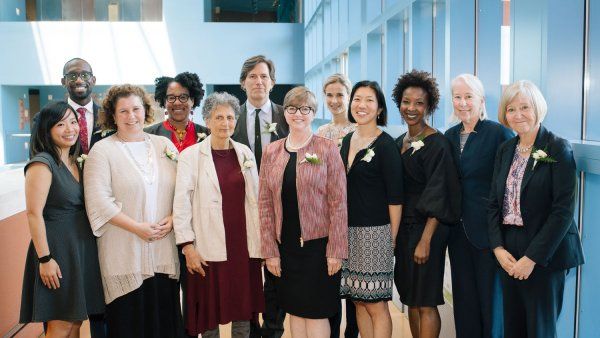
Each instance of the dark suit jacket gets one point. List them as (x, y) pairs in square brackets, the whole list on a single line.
[(240, 133), (159, 129), (547, 202), (475, 167)]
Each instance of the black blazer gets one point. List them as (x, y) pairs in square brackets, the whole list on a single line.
[(159, 129), (240, 134), (475, 167), (547, 202)]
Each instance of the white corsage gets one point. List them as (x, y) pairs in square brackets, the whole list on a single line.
[(201, 136), (248, 163), (81, 159), (271, 128), (104, 132), (170, 154), (340, 141), (416, 145), (311, 158), (540, 155), (369, 155)]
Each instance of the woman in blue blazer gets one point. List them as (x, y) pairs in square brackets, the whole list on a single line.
[(474, 141), (531, 226)]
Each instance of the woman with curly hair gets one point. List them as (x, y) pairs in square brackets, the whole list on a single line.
[(431, 202), (129, 180), (179, 96)]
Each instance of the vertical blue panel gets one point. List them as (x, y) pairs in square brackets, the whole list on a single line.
[(354, 63), (373, 9), (131, 10), (394, 60), (101, 10), (343, 20), (422, 32), (440, 63), (590, 292), (488, 53), (593, 104), (528, 40), (327, 28), (354, 18), (335, 24), (564, 71), (462, 38), (373, 60), (14, 147), (49, 10)]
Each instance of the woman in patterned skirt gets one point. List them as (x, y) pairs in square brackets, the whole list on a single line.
[(374, 176)]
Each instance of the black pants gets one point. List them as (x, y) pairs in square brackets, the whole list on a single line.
[(351, 325), (531, 306), (273, 316), (476, 293)]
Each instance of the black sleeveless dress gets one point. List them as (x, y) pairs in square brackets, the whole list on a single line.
[(73, 247)]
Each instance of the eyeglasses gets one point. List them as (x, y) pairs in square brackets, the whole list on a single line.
[(304, 110), (72, 77), (183, 98)]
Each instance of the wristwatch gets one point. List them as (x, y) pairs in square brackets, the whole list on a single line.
[(45, 259)]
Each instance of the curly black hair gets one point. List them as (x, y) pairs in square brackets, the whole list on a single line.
[(188, 80), (420, 79)]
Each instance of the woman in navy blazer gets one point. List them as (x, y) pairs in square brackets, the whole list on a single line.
[(531, 227), (474, 272)]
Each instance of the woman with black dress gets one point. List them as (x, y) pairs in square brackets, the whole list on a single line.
[(375, 197), (62, 284), (303, 218), (432, 201)]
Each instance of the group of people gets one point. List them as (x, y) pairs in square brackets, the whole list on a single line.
[(256, 214)]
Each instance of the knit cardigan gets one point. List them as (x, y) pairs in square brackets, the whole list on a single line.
[(112, 185)]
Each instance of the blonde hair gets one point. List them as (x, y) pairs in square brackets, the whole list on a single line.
[(529, 90), (301, 94), (338, 78), (476, 87)]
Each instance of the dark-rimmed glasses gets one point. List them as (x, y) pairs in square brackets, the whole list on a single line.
[(72, 77), (183, 98), (304, 110)]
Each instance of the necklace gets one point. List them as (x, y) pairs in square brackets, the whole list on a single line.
[(410, 139), (289, 145), (524, 149), (146, 169), (179, 133)]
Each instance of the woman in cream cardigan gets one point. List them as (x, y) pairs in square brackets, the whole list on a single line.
[(132, 219), (216, 225)]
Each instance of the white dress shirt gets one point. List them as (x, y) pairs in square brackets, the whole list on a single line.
[(265, 116), (89, 116)]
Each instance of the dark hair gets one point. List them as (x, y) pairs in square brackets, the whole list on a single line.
[(106, 117), (382, 117), (419, 79), (46, 119), (78, 60), (250, 63), (188, 80)]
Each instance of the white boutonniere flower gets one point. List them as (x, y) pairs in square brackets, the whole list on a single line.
[(201, 136), (103, 132), (170, 154), (271, 128), (369, 155), (81, 159), (311, 158), (340, 141), (248, 163), (416, 145), (540, 155)]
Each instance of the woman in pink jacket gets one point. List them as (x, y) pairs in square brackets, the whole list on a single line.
[(303, 217)]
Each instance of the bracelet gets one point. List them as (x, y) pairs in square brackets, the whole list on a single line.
[(45, 259)]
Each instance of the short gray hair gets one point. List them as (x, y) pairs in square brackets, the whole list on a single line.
[(220, 99), (531, 92)]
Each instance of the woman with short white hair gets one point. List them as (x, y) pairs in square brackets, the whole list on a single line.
[(531, 227), (474, 142)]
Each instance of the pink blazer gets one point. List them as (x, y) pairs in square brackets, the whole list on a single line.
[(321, 190)]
